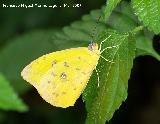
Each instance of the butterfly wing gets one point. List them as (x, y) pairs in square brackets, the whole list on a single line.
[(60, 77)]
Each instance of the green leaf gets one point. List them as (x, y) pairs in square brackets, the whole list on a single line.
[(121, 22), (101, 102), (122, 18), (110, 5), (144, 47), (8, 98), (148, 11), (124, 8)]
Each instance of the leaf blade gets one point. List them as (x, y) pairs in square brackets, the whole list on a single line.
[(8, 98), (144, 47), (113, 90), (110, 5), (148, 11)]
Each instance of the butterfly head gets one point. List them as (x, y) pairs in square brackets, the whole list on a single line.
[(93, 46)]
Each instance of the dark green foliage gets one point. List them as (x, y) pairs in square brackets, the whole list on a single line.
[(131, 38)]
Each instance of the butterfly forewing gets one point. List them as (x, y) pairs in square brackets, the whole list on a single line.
[(61, 76)]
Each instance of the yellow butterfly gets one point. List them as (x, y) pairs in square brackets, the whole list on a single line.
[(60, 77)]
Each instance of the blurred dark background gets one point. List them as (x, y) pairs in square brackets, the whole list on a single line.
[(143, 103)]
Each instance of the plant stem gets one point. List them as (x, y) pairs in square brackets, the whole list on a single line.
[(137, 29)]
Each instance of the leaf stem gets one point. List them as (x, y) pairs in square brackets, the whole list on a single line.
[(137, 29)]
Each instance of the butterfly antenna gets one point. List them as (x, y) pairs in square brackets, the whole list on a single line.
[(94, 29)]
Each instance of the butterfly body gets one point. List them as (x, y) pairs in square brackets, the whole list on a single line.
[(60, 77)]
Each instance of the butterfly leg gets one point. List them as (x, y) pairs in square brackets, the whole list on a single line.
[(103, 42), (109, 48), (106, 59), (97, 76)]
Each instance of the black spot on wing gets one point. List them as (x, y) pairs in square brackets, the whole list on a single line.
[(55, 94), (66, 64), (54, 62), (63, 75)]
